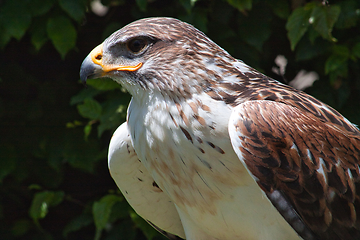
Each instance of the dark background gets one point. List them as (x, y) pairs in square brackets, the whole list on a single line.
[(54, 132)]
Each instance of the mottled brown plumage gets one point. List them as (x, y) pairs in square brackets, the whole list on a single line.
[(215, 134), (313, 162)]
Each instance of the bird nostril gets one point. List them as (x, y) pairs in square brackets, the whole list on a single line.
[(98, 57)]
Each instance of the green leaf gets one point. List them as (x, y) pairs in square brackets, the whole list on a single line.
[(87, 130), (75, 9), (16, 17), (281, 8), (305, 51), (5, 36), (256, 36), (145, 227), (337, 62), (77, 223), (297, 25), (313, 35), (62, 34), (120, 210), (83, 94), (21, 227), (334, 62), (8, 160), (103, 84), (113, 114), (102, 210), (42, 201), (188, 4), (126, 230), (356, 50), (341, 50), (241, 5), (348, 15), (142, 4), (90, 109), (324, 18), (38, 34), (40, 7), (84, 156)]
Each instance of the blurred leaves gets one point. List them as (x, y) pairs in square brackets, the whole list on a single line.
[(54, 181), (142, 4), (62, 34), (103, 84), (241, 5), (90, 109), (321, 17), (42, 201), (40, 7), (101, 212), (75, 9), (15, 18), (78, 223)]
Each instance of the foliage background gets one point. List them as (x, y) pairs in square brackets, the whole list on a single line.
[(54, 133)]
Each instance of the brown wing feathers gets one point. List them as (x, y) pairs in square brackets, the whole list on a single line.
[(313, 163)]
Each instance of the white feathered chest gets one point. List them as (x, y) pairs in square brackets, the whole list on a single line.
[(187, 150)]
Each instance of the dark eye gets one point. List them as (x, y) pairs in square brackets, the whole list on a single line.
[(136, 45)]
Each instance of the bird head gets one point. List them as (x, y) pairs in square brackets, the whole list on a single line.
[(155, 54)]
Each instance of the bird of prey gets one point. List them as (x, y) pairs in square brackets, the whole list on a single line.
[(214, 149)]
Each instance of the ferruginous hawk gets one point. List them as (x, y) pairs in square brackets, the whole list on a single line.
[(213, 149)]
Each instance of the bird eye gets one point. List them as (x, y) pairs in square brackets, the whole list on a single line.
[(136, 45)]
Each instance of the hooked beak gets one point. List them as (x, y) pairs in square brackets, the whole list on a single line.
[(93, 66)]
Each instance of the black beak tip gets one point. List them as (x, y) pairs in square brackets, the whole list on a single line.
[(87, 69), (84, 75)]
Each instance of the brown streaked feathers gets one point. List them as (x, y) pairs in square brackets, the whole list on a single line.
[(312, 162)]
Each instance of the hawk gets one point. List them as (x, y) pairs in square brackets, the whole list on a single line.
[(214, 149)]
